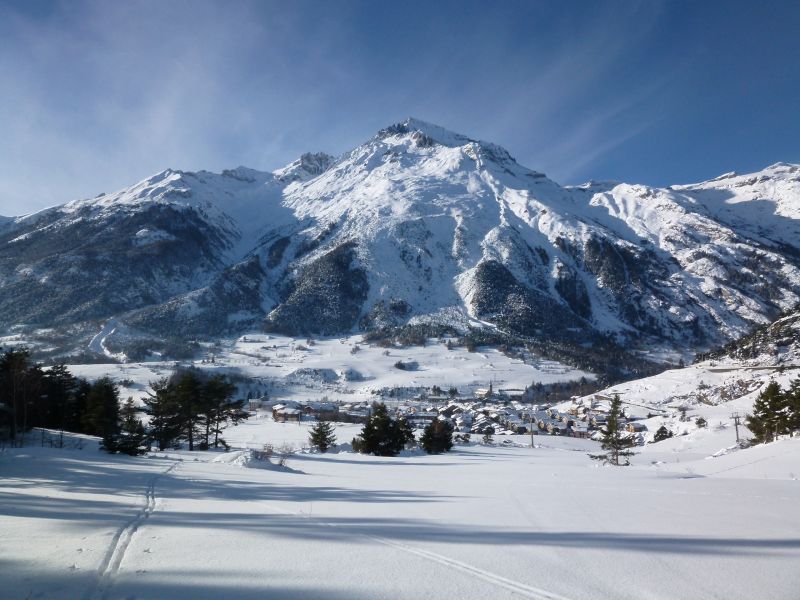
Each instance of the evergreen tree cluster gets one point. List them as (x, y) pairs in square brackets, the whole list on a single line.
[(190, 407), (776, 412), (382, 435), (187, 406), (31, 396)]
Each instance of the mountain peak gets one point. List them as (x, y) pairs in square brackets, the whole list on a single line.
[(433, 133), (424, 134)]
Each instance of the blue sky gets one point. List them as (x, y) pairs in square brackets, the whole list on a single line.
[(95, 96)]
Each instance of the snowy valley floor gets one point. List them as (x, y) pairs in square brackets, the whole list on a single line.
[(480, 522)]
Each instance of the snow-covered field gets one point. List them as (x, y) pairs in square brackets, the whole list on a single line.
[(291, 368), (480, 522)]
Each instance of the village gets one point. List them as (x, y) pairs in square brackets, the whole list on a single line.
[(484, 411)]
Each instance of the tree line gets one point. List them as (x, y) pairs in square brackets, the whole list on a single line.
[(187, 406)]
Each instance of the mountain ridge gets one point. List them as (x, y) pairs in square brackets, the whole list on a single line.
[(416, 225)]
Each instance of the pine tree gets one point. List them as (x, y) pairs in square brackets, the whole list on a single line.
[(76, 407), (187, 388), (437, 437), (487, 435), (102, 409), (382, 435), (771, 414), (58, 388), (131, 438), (162, 406), (219, 410), (321, 436), (614, 441), (14, 388)]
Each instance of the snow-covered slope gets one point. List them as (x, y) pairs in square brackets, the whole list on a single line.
[(418, 224), (726, 382), (478, 522)]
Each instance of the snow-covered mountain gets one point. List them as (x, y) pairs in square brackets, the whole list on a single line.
[(774, 345), (418, 224)]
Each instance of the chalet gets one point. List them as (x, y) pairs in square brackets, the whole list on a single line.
[(557, 428), (451, 410), (597, 420), (284, 414), (635, 427), (323, 411), (579, 430)]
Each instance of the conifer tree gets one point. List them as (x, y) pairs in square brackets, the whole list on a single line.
[(131, 438), (487, 435), (382, 435), (220, 410), (437, 437), (102, 409), (162, 406), (614, 442), (321, 436), (14, 388), (771, 414), (58, 390), (187, 389)]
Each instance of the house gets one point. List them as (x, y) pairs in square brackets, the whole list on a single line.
[(557, 428), (579, 430), (635, 427), (286, 412), (597, 420), (323, 411)]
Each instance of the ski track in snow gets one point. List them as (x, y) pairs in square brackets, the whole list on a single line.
[(113, 557), (516, 587)]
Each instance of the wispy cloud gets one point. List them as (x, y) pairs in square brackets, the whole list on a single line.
[(96, 94)]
